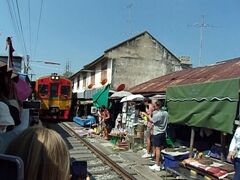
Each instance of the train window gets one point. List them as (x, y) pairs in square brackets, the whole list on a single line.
[(43, 89), (54, 90), (65, 90)]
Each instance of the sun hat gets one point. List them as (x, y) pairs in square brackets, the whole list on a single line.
[(5, 116)]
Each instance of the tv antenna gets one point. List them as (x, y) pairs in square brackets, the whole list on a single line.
[(201, 26)]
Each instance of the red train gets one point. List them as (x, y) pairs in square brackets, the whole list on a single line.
[(55, 94)]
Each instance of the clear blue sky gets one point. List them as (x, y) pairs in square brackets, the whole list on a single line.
[(79, 31)]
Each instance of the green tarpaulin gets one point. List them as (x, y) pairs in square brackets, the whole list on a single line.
[(212, 105), (101, 97)]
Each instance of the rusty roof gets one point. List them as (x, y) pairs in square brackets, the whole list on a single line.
[(219, 71)]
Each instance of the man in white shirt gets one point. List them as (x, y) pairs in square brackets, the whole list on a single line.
[(234, 153)]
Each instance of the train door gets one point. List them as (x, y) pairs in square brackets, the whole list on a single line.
[(53, 90)]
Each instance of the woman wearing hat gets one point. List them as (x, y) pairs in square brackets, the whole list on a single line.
[(6, 120), (6, 116)]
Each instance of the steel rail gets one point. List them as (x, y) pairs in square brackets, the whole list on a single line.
[(118, 169)]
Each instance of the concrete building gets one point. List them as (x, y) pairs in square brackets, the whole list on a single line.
[(185, 62), (131, 62)]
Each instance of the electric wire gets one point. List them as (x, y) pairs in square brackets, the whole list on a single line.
[(16, 19), (30, 32), (14, 22), (38, 28), (20, 22)]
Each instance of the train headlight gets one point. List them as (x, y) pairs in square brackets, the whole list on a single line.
[(52, 77), (57, 77)]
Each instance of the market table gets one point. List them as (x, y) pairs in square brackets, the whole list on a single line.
[(183, 173), (213, 171)]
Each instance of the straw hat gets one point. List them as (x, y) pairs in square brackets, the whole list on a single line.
[(5, 116)]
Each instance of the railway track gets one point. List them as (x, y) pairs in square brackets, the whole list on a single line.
[(99, 165)]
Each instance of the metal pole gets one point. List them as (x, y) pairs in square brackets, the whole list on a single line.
[(201, 42), (191, 142), (26, 68), (223, 143)]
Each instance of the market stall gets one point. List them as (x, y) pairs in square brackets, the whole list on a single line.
[(131, 128), (211, 105)]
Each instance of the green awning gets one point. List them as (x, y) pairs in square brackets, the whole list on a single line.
[(101, 97), (212, 105)]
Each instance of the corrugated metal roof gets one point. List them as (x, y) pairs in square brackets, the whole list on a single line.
[(222, 70)]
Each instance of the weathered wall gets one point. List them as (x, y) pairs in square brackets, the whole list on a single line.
[(140, 60)]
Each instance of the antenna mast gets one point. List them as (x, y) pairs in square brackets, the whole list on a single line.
[(201, 26), (67, 68)]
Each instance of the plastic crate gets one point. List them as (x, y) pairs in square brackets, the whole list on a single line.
[(84, 122), (173, 161)]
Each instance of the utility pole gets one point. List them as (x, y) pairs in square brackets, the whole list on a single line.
[(201, 26), (27, 67)]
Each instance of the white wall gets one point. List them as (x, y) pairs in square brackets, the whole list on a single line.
[(97, 77), (109, 71)]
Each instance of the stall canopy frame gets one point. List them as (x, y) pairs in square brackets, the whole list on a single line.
[(211, 105)]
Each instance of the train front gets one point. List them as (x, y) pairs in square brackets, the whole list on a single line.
[(55, 94)]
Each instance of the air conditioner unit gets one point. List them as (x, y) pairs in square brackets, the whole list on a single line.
[(94, 110)]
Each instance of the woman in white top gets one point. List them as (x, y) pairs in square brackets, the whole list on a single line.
[(234, 153)]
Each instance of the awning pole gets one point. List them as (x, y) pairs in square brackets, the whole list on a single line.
[(191, 142), (223, 143)]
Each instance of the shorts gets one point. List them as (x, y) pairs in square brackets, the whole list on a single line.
[(105, 124), (159, 140)]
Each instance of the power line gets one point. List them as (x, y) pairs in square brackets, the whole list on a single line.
[(20, 22), (16, 25), (39, 21), (14, 22)]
